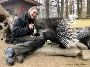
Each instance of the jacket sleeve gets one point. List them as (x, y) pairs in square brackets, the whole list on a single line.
[(19, 30)]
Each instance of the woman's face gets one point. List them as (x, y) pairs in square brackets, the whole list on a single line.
[(34, 13)]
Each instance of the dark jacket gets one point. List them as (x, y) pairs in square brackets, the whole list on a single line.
[(21, 26)]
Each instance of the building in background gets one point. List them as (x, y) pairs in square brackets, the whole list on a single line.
[(18, 7)]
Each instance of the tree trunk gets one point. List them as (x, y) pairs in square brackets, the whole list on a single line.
[(47, 8), (58, 8), (79, 8), (62, 8), (66, 8), (88, 8)]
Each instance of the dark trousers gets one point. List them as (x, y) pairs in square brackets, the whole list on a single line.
[(27, 44)]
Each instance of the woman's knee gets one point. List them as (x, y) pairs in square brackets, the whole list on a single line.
[(37, 43)]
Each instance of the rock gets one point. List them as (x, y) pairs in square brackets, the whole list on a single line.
[(85, 54), (81, 46)]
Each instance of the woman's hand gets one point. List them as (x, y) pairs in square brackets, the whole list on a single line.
[(31, 26)]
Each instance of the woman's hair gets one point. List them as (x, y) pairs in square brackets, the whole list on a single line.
[(32, 8)]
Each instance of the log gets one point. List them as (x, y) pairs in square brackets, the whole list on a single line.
[(3, 14), (47, 50)]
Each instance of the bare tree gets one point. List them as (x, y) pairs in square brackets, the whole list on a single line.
[(88, 8), (79, 8), (62, 8), (66, 7), (47, 8), (58, 8)]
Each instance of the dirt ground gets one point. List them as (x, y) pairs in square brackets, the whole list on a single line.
[(40, 60)]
